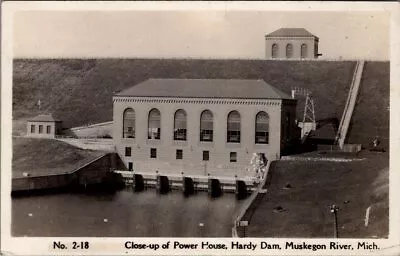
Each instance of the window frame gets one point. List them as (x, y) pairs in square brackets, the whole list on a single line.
[(179, 154), (151, 134), (304, 54), (233, 157), (233, 136), (126, 132), (274, 50), (260, 136), (128, 151), (206, 155), (289, 49), (204, 133), (180, 134), (153, 153)]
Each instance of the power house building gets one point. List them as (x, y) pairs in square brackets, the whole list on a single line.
[(201, 126)]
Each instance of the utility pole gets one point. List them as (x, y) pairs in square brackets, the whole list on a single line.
[(201, 227), (334, 210)]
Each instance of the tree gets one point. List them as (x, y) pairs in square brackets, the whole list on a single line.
[(258, 163)]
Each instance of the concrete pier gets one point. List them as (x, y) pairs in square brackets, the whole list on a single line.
[(189, 184), (162, 185)]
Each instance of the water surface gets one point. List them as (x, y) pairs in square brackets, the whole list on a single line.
[(124, 214)]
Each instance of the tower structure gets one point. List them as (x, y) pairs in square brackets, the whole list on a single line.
[(308, 123)]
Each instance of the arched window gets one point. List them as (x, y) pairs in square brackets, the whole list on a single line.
[(274, 51), (129, 123), (262, 128), (233, 134), (289, 50), (304, 51), (206, 126), (154, 124), (180, 125)]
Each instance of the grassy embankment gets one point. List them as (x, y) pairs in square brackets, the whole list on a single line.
[(352, 186), (80, 91), (371, 115), (46, 156)]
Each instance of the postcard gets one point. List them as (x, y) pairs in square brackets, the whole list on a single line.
[(200, 128)]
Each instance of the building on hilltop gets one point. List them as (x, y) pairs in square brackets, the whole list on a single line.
[(291, 43), (201, 126), (43, 126)]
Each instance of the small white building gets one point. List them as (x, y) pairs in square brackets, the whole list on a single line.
[(43, 126)]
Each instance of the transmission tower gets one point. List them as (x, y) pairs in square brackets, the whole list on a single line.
[(309, 109)]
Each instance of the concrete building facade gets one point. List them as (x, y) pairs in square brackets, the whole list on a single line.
[(291, 43), (43, 126), (201, 126)]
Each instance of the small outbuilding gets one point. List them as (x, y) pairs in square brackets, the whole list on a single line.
[(43, 126)]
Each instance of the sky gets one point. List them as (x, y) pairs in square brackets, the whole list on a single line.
[(193, 34)]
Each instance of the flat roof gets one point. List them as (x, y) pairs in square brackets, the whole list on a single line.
[(205, 88)]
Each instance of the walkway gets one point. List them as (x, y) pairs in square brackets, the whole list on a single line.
[(350, 104)]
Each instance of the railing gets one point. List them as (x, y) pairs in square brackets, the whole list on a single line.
[(350, 104), (243, 209)]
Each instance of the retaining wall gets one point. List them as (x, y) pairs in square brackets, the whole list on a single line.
[(91, 173)]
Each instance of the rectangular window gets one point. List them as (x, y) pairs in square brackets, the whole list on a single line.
[(233, 136), (130, 133), (206, 135), (130, 166), (154, 133), (179, 154), (180, 134), (32, 128), (128, 151), (262, 137), (206, 155), (48, 129), (233, 157), (153, 153), (40, 128)]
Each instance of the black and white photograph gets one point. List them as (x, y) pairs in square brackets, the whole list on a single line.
[(204, 123)]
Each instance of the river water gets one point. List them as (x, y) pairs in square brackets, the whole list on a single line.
[(124, 214)]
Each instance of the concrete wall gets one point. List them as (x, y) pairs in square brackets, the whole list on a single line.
[(40, 182), (312, 47), (94, 171), (99, 130), (90, 173), (55, 128), (219, 163), (92, 144)]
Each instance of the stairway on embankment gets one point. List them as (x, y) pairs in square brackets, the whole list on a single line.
[(350, 104)]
